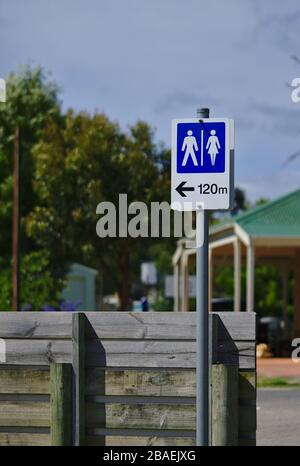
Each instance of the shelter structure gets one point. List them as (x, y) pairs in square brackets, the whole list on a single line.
[(268, 234)]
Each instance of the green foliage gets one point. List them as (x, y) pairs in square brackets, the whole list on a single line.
[(239, 199), (39, 287), (80, 162), (161, 253), (268, 291), (31, 100), (6, 288), (70, 163), (162, 304), (283, 382), (223, 282)]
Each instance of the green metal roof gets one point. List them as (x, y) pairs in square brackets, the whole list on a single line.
[(280, 217)]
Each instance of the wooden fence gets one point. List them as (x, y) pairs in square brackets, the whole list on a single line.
[(121, 378)]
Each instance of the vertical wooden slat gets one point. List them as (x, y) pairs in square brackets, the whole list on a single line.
[(212, 359), (250, 277), (247, 408), (61, 404), (78, 363), (237, 274), (225, 405), (296, 330)]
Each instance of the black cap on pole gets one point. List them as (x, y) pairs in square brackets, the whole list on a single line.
[(203, 112)]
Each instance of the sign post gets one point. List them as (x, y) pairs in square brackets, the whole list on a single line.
[(202, 364), (202, 180)]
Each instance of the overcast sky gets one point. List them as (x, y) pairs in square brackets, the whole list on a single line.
[(161, 59)]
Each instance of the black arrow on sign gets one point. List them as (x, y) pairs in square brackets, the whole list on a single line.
[(181, 188)]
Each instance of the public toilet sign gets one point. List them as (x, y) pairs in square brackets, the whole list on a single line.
[(202, 164)]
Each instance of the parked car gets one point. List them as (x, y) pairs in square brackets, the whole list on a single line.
[(225, 304)]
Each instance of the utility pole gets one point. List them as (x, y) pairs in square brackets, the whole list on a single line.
[(16, 224)]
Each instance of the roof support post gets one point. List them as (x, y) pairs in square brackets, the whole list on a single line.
[(237, 274), (184, 283), (250, 276), (176, 286), (210, 279), (177, 262), (285, 297), (297, 295)]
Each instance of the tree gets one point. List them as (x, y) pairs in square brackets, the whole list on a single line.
[(80, 162), (31, 99), (39, 286), (239, 199)]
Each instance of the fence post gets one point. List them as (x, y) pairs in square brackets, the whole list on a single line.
[(61, 404), (225, 399), (212, 359), (78, 363)]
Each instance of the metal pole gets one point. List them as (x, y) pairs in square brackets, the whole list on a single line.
[(202, 367), (16, 224)]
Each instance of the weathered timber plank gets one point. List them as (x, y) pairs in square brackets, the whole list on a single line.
[(79, 323), (154, 441), (37, 352), (148, 326), (35, 325), (143, 416), (247, 408), (110, 325), (247, 442), (225, 405), (240, 326), (242, 353), (24, 381), (247, 386), (24, 439), (25, 414), (247, 419), (141, 383), (126, 353), (166, 325), (61, 404), (133, 353)]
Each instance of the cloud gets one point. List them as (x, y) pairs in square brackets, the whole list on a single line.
[(276, 117), (179, 100), (275, 185), (160, 60), (279, 28)]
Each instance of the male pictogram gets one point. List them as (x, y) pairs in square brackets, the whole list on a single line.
[(189, 146)]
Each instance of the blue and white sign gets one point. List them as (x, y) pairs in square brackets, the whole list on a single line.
[(202, 164), (201, 147)]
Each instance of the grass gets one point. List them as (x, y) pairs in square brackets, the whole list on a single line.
[(279, 382)]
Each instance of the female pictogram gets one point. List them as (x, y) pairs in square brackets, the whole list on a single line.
[(213, 146)]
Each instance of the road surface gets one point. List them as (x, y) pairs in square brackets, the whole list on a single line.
[(278, 417)]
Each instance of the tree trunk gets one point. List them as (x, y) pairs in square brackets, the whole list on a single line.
[(124, 289)]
